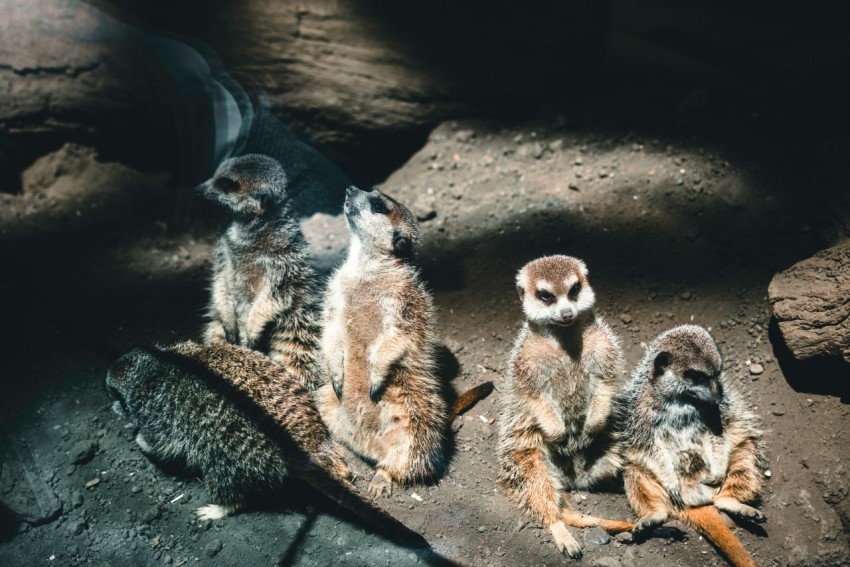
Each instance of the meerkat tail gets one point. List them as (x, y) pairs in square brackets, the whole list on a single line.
[(471, 397), (579, 520), (708, 521), (347, 496)]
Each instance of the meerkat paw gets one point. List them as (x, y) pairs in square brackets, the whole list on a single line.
[(214, 512), (381, 485), (564, 540), (735, 508), (647, 523), (142, 443)]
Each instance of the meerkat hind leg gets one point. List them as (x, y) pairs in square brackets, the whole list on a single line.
[(381, 484), (738, 509), (216, 511)]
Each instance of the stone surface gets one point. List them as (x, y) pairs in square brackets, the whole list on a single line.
[(811, 302)]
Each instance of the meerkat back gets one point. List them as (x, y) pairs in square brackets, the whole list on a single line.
[(209, 408)]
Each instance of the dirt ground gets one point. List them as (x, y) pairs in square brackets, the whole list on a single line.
[(681, 223)]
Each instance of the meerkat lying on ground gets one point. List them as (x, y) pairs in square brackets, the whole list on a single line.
[(263, 290), (384, 399), (185, 410), (556, 426), (692, 445)]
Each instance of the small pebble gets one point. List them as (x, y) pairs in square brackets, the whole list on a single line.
[(756, 369), (595, 536), (686, 295)]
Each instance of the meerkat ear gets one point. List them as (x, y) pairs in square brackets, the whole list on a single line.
[(520, 292), (402, 245), (582, 267), (662, 361)]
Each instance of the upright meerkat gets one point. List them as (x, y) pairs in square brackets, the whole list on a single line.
[(556, 424), (384, 399), (691, 444), (263, 290), (185, 410)]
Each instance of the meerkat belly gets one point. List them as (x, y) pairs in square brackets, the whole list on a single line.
[(687, 449), (571, 391)]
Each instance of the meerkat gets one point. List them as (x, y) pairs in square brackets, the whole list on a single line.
[(263, 289), (384, 399), (691, 444), (185, 410), (556, 423)]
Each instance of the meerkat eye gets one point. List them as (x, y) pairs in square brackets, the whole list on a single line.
[(545, 296), (695, 376), (575, 290), (226, 185), (379, 207)]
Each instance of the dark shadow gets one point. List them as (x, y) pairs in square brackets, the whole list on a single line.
[(820, 375), (294, 549), (448, 366), (9, 523)]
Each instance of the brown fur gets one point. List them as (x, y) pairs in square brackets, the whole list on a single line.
[(209, 407), (564, 368), (385, 401), (692, 445)]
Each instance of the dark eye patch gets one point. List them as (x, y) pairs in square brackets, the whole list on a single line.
[(575, 290), (695, 376), (226, 184), (379, 207), (545, 296)]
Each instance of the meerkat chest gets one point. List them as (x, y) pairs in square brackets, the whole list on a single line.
[(368, 306), (691, 449)]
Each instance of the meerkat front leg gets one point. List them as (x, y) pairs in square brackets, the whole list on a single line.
[(223, 327), (599, 412), (266, 305), (742, 483), (381, 484), (647, 497), (388, 351), (549, 419)]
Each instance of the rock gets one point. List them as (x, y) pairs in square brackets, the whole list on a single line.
[(83, 452), (76, 527), (595, 536), (213, 548), (70, 159), (686, 295), (811, 303), (151, 514), (22, 491), (624, 537), (423, 208), (756, 369), (605, 561)]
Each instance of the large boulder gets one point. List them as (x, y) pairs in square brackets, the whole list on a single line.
[(349, 73), (811, 303)]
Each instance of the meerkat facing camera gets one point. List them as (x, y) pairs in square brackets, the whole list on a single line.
[(384, 400), (184, 408), (263, 289), (691, 444), (556, 430)]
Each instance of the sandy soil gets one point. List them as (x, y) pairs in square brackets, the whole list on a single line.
[(677, 224)]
